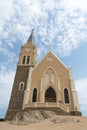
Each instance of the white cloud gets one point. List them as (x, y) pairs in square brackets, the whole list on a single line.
[(6, 81), (50, 21), (76, 4), (9, 56), (81, 86), (6, 10)]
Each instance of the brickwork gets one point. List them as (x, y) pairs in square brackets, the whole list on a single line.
[(17, 95)]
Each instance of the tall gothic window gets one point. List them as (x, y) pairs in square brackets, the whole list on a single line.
[(34, 97), (28, 59), (66, 95), (24, 60)]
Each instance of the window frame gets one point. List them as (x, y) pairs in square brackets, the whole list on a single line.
[(66, 97), (21, 88), (24, 60), (35, 95)]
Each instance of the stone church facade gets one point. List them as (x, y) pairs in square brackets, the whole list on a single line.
[(48, 85)]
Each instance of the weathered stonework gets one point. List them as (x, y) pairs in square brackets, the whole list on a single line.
[(17, 95)]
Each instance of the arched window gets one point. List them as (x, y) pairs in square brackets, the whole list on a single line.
[(21, 86), (28, 59), (50, 95), (34, 97), (66, 95), (24, 60)]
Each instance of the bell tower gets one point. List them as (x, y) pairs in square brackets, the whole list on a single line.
[(28, 53), (26, 63)]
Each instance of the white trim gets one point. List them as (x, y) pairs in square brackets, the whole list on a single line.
[(54, 86), (58, 84), (50, 68), (21, 83), (29, 65), (41, 84), (25, 60), (53, 71), (58, 59)]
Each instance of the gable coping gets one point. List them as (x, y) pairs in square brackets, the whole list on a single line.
[(54, 56)]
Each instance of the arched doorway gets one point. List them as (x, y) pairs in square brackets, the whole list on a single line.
[(50, 95)]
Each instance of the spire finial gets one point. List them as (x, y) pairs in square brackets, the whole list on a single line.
[(32, 30), (31, 38)]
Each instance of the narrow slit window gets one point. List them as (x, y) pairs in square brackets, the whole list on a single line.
[(66, 95), (21, 86), (28, 59), (24, 59), (34, 96)]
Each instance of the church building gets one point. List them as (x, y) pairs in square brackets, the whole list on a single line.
[(48, 85)]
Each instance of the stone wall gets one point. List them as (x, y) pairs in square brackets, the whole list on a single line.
[(17, 95)]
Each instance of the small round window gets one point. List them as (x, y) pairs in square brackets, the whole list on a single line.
[(21, 86)]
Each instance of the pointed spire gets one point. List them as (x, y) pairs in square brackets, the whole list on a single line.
[(31, 38)]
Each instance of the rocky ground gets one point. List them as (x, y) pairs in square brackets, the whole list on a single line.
[(44, 120), (32, 116)]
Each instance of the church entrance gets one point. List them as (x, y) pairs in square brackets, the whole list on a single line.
[(50, 95)]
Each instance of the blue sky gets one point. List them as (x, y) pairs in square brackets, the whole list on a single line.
[(61, 24)]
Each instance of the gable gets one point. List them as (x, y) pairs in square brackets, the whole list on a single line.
[(50, 61)]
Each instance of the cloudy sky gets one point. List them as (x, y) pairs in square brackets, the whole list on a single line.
[(58, 24)]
